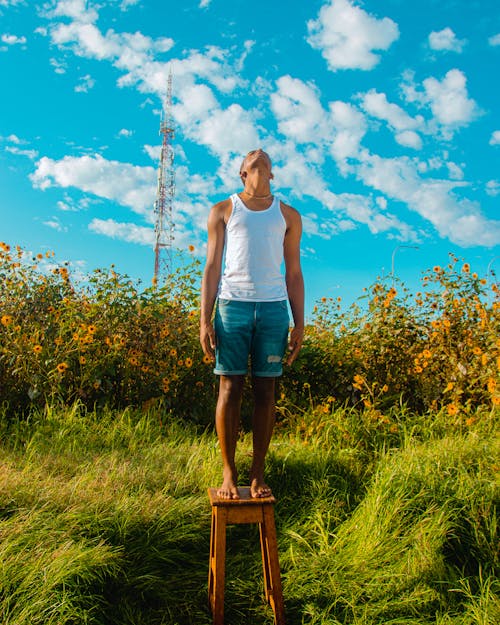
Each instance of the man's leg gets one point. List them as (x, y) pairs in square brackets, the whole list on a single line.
[(263, 425), (227, 423)]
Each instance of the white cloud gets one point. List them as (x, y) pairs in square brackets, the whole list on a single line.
[(227, 130), (347, 36), (458, 219), (449, 100), (455, 171), (59, 66), (12, 40), (14, 149), (493, 188), (446, 40), (409, 139), (129, 185), (55, 224), (204, 4), (377, 105), (298, 110), (128, 3), (86, 83), (495, 138), (125, 132), (132, 233), (7, 3), (494, 40), (349, 127)]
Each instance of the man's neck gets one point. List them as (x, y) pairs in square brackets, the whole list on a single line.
[(257, 187)]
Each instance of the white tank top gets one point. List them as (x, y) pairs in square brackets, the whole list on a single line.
[(254, 254)]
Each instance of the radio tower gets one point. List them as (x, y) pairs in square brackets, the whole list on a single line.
[(164, 224)]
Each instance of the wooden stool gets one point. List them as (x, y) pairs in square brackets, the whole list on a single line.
[(243, 510)]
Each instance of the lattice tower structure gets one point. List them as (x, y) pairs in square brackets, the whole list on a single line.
[(165, 193)]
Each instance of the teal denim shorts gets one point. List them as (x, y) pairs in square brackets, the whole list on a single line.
[(250, 331)]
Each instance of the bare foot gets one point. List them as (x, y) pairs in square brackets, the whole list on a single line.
[(258, 488), (228, 490)]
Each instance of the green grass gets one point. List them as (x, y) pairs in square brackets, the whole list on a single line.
[(104, 519)]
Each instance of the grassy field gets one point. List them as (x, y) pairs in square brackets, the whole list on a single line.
[(104, 519)]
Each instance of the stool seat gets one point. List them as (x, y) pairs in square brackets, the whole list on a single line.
[(246, 509)]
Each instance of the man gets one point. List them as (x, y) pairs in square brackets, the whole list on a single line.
[(255, 232)]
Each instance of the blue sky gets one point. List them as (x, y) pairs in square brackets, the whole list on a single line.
[(381, 117)]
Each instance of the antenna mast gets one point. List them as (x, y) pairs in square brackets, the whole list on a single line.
[(164, 224)]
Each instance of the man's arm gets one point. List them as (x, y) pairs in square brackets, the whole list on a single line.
[(294, 279), (211, 275)]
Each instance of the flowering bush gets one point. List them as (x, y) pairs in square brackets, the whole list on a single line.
[(439, 348), (105, 341), (100, 342)]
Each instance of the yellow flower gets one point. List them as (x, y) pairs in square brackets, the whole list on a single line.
[(492, 384), (58, 340), (418, 369), (436, 324), (133, 361), (37, 349), (188, 362), (97, 384), (145, 369), (466, 267), (180, 362), (385, 388), (437, 269), (496, 400), (92, 329), (83, 360), (206, 359), (62, 366), (191, 248), (6, 320), (452, 409), (484, 359), (426, 353), (446, 323), (358, 382), (449, 386)]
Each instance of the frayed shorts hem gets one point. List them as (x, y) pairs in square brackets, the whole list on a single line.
[(220, 372)]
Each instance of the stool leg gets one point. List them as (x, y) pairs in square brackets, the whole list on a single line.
[(270, 563), (265, 561), (211, 560), (219, 564)]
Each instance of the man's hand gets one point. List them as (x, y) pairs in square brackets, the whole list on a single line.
[(294, 344), (207, 340)]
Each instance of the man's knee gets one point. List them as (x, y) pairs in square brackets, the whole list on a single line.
[(231, 387), (264, 389)]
